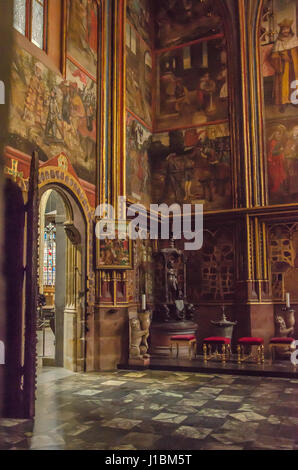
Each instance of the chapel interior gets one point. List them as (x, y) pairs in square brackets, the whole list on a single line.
[(111, 111)]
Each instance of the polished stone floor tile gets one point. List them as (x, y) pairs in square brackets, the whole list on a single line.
[(155, 410)]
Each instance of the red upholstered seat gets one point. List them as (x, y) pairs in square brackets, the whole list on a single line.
[(183, 338), (282, 340), (217, 340), (251, 341)]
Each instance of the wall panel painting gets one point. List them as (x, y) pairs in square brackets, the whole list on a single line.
[(83, 33), (279, 54), (181, 21), (192, 166), (138, 174), (54, 115), (192, 84), (138, 76), (139, 15)]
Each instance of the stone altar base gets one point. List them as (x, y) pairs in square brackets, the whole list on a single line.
[(161, 333)]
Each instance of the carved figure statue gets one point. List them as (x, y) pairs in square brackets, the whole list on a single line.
[(136, 336), (139, 334), (172, 282), (283, 330), (145, 321)]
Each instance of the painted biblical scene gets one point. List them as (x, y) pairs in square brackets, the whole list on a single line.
[(193, 166), (181, 21), (83, 33), (138, 76), (139, 15), (282, 151), (54, 115), (279, 39), (279, 52), (138, 174), (115, 253), (193, 85)]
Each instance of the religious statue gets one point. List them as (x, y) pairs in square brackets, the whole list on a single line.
[(139, 334), (173, 314), (145, 321), (171, 272), (172, 281), (285, 327)]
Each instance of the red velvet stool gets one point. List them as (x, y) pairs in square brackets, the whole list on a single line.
[(184, 340), (249, 342), (279, 342), (217, 341)]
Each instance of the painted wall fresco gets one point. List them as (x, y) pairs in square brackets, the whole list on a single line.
[(279, 52), (180, 21), (54, 115), (138, 76), (82, 35), (141, 279), (139, 15), (192, 85), (192, 166), (138, 173)]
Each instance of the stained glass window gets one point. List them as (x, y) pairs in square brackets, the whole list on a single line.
[(49, 257), (30, 20), (37, 36), (19, 16)]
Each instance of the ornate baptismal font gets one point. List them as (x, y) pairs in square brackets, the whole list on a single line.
[(172, 315)]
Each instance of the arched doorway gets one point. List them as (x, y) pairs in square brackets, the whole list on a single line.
[(61, 280)]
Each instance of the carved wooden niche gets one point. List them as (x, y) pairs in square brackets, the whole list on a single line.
[(283, 255), (211, 272)]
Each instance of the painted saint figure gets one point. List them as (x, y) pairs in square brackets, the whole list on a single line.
[(291, 156), (284, 59), (53, 117), (276, 159)]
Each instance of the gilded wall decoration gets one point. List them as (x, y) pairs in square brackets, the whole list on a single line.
[(192, 166), (83, 33), (52, 114), (279, 53)]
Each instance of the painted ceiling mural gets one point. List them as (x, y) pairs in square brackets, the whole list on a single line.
[(279, 52), (53, 114)]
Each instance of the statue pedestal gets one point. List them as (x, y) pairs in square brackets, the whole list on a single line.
[(143, 362), (161, 333)]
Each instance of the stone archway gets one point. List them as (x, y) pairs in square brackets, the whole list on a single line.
[(70, 276)]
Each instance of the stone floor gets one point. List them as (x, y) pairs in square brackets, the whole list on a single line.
[(158, 410)]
